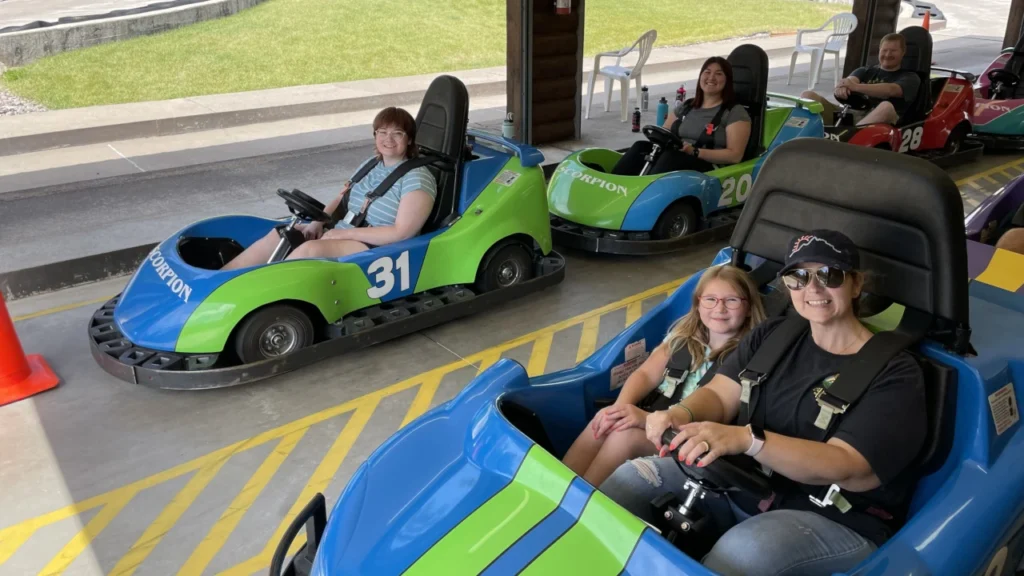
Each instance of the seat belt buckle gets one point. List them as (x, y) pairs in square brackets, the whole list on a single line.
[(833, 497), (349, 216), (828, 410), (672, 382), (747, 384)]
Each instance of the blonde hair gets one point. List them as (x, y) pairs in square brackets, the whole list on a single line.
[(691, 332)]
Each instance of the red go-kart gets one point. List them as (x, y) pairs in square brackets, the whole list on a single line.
[(936, 124)]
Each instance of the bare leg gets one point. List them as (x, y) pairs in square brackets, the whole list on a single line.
[(884, 112), (258, 253), (327, 249), (619, 447), (830, 109), (583, 450)]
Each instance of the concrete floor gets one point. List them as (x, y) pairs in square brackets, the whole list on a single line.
[(102, 477)]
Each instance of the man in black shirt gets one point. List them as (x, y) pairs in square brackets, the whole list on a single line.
[(891, 89)]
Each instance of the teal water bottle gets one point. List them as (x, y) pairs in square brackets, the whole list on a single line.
[(662, 111)]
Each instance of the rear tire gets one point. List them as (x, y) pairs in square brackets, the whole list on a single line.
[(678, 220), (273, 332), (505, 267), (956, 139)]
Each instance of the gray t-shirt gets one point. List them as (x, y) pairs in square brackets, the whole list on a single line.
[(909, 81), (697, 120)]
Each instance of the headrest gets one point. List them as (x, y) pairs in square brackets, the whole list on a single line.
[(750, 75), (919, 50), (443, 116), (903, 213)]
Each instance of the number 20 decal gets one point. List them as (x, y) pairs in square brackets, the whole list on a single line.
[(911, 139), (741, 190), (383, 272)]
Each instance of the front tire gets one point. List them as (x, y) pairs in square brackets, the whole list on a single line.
[(273, 332), (510, 265), (956, 139), (678, 220)]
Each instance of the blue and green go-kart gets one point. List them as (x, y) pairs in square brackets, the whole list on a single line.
[(182, 322), (475, 485), (597, 211)]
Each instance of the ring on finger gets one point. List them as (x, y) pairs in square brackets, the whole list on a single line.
[(707, 446)]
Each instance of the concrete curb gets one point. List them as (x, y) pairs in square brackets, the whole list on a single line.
[(199, 121), (25, 47)]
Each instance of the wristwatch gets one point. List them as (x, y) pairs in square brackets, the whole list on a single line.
[(696, 152), (757, 440)]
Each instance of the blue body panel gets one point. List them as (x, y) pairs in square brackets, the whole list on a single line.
[(643, 214), (976, 491)]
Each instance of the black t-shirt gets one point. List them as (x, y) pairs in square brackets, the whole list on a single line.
[(909, 81), (887, 425)]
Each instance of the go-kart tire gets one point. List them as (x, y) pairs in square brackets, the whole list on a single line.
[(957, 138), (678, 220), (507, 266), (272, 332)]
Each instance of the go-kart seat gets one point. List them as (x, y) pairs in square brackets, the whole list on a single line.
[(441, 131), (1015, 64), (918, 59), (917, 258), (750, 82)]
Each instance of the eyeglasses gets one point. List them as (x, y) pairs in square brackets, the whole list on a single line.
[(394, 135), (827, 277), (731, 302)]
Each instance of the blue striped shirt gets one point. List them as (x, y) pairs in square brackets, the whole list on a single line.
[(384, 210)]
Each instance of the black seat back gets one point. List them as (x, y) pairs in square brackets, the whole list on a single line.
[(750, 82), (441, 131), (940, 396), (918, 59)]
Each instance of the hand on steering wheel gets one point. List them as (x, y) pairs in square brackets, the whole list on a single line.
[(707, 441), (718, 472), (856, 100)]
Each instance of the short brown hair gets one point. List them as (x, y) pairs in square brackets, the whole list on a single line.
[(401, 119), (894, 37)]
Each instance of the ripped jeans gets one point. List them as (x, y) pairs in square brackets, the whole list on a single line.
[(775, 543)]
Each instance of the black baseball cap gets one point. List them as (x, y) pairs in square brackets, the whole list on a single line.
[(830, 248)]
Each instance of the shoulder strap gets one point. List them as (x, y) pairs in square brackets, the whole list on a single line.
[(707, 135), (860, 369), (365, 170), (687, 106), (343, 205), (768, 355), (388, 182)]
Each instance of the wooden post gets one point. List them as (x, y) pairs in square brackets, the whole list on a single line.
[(544, 70), (875, 19), (1014, 24)]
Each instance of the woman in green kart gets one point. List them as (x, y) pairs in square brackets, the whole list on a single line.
[(714, 128), (397, 215)]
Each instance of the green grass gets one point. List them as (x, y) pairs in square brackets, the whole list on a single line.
[(294, 42)]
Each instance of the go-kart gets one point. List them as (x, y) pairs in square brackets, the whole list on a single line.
[(594, 210), (182, 322), (475, 485), (998, 114), (997, 214), (937, 124)]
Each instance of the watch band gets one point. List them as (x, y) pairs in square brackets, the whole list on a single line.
[(756, 440)]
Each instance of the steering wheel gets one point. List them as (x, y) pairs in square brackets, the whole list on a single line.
[(1001, 75), (303, 206), (856, 100), (725, 474), (662, 137)]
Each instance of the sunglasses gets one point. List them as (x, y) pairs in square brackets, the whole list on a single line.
[(827, 277)]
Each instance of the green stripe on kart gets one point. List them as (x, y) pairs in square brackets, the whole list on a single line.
[(601, 542), (470, 547)]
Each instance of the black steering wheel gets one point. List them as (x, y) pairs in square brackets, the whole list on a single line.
[(725, 474), (303, 205), (1001, 75), (856, 100), (662, 137)]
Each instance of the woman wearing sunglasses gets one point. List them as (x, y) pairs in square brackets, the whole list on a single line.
[(397, 215), (870, 453)]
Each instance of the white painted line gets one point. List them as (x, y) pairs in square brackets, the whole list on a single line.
[(125, 157)]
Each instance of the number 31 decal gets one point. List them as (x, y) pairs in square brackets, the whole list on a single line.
[(730, 186), (383, 272), (911, 139)]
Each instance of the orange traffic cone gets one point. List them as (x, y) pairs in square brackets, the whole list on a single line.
[(20, 376), (927, 19)]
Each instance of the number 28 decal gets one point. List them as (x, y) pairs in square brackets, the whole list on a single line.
[(911, 139), (383, 272), (735, 192)]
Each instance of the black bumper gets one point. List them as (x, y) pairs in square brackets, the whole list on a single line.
[(570, 235), (999, 142), (969, 152), (136, 365)]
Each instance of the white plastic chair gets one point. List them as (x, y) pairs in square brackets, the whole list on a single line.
[(621, 73), (842, 26)]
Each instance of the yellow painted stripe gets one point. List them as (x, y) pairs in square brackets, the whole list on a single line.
[(1007, 174), (170, 515), (975, 185), (12, 538), (588, 338), (421, 403), (633, 311), (991, 179), (57, 309), (1005, 270), (229, 519), (322, 476), (1012, 164), (539, 356), (487, 358), (84, 538), (971, 202)]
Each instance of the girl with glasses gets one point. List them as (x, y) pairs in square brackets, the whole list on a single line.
[(725, 306)]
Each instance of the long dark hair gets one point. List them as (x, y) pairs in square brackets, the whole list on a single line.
[(728, 93)]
